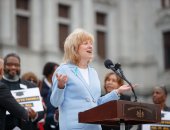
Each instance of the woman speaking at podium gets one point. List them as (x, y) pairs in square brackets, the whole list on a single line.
[(76, 86)]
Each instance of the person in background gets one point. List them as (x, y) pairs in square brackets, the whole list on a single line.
[(1, 67), (30, 76), (76, 85), (50, 120), (112, 82), (8, 103), (11, 78), (48, 71), (159, 96)]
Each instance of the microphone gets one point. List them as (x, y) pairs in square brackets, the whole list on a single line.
[(108, 64), (117, 69), (117, 66)]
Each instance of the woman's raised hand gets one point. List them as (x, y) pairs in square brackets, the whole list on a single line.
[(62, 80), (125, 88)]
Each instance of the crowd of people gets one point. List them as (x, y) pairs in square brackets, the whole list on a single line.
[(66, 89), (11, 79)]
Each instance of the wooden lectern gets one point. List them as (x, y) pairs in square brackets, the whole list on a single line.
[(122, 112)]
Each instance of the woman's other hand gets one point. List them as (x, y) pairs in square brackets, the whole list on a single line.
[(124, 88)]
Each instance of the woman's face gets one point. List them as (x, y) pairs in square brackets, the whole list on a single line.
[(85, 50), (111, 83)]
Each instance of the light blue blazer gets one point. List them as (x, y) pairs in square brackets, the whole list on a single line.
[(77, 96)]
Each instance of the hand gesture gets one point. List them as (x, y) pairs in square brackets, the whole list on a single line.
[(62, 80), (124, 88)]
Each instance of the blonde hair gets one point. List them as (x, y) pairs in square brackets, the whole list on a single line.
[(72, 42)]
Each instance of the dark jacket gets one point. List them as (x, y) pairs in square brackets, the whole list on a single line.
[(11, 121), (8, 103), (166, 108), (51, 113), (44, 91)]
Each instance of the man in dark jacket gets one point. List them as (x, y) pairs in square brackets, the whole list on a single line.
[(159, 96), (12, 79), (7, 102)]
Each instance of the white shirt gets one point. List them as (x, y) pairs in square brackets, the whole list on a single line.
[(85, 74)]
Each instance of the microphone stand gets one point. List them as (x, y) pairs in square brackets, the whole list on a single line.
[(119, 72)]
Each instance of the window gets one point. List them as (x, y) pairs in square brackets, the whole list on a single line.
[(101, 38), (63, 11), (165, 3), (101, 34), (166, 38), (22, 4), (100, 18), (64, 24), (22, 22), (63, 32), (22, 31)]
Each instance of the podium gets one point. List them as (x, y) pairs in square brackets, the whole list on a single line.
[(122, 112)]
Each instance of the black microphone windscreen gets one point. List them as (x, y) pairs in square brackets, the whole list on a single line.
[(117, 66), (108, 63)]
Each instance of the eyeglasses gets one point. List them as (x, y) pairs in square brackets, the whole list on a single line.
[(13, 64)]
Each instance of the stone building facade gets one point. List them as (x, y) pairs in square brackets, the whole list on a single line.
[(135, 33)]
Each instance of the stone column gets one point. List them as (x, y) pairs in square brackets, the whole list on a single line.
[(36, 26), (75, 15), (49, 25), (88, 15), (112, 49), (6, 24)]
